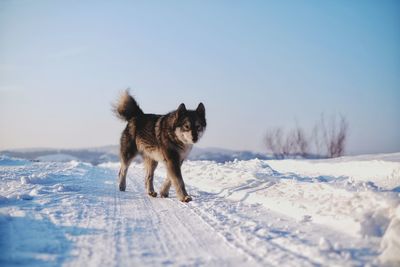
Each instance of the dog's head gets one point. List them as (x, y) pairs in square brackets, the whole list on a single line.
[(190, 124)]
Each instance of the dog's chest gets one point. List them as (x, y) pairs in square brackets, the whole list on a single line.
[(185, 152)]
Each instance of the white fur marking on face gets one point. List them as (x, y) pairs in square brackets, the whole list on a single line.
[(188, 137), (184, 136)]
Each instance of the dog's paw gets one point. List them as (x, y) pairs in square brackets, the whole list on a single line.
[(186, 199), (122, 187), (152, 194), (163, 194)]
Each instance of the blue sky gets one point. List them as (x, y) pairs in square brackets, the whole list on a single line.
[(254, 64)]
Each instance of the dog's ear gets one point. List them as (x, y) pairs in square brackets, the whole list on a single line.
[(181, 107), (181, 110), (201, 110)]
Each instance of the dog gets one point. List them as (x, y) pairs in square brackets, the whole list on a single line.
[(165, 138)]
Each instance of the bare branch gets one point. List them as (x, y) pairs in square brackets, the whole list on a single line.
[(329, 140)]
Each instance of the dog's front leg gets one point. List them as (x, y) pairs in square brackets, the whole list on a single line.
[(164, 191), (175, 177)]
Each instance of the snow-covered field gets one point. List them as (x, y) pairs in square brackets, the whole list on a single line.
[(342, 212)]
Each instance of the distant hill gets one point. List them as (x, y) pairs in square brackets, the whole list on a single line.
[(94, 156), (103, 154)]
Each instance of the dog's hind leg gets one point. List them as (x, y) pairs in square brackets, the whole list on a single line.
[(150, 166), (128, 151), (122, 174)]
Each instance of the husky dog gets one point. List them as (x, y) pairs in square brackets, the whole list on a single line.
[(158, 138)]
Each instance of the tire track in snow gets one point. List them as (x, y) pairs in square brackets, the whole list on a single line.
[(135, 230), (272, 239), (98, 208), (174, 234), (242, 233)]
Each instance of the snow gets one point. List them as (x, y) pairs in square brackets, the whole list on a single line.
[(381, 170), (340, 212), (390, 245)]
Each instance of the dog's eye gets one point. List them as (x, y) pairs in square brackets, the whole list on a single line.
[(186, 127)]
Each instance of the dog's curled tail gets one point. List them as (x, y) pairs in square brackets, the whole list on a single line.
[(126, 107)]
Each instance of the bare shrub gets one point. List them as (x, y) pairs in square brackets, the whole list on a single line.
[(283, 144), (273, 141), (336, 139), (317, 139), (325, 140), (301, 142)]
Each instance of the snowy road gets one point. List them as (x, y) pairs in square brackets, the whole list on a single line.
[(243, 214), (151, 231)]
